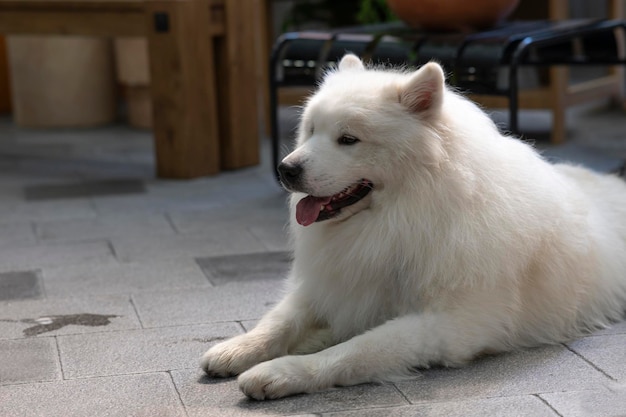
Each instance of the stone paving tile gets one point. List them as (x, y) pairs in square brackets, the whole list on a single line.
[(521, 406), (47, 210), (229, 302), (146, 395), (28, 360), (84, 188), (264, 218), (151, 203), (139, 351), (19, 285), (253, 188), (15, 258), (58, 316), (124, 278), (533, 371), (249, 324), (275, 236), (246, 267), (607, 402), (212, 193), (268, 209), (223, 242), (205, 396), (18, 233), (606, 352), (104, 227)]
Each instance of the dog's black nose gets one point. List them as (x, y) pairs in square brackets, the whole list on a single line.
[(289, 173)]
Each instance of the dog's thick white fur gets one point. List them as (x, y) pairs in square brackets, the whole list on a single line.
[(468, 242)]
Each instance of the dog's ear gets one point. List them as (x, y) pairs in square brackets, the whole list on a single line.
[(351, 62), (424, 90)]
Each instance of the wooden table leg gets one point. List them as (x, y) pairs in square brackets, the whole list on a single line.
[(182, 71), (237, 85)]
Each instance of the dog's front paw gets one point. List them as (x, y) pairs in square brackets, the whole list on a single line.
[(279, 378), (232, 357)]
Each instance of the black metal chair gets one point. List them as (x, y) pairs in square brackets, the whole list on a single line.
[(473, 59)]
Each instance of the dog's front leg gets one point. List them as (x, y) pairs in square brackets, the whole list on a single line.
[(280, 329), (386, 352)]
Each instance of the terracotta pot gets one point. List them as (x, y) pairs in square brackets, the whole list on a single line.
[(455, 15)]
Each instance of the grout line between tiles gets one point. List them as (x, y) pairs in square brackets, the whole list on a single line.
[(543, 400), (170, 221), (172, 326), (593, 365), (402, 394), (180, 398), (132, 303), (56, 342)]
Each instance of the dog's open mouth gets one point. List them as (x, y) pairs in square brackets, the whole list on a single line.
[(315, 209)]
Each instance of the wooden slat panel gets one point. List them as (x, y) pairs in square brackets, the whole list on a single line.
[(73, 5), (71, 23), (239, 106), (87, 17)]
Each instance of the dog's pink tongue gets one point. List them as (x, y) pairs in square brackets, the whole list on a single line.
[(309, 208)]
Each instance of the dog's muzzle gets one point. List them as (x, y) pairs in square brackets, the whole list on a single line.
[(290, 175)]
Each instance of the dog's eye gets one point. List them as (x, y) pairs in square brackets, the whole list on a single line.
[(347, 140)]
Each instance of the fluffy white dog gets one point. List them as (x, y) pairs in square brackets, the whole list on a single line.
[(423, 236)]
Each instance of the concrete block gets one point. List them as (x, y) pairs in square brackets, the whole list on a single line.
[(66, 316), (533, 371), (139, 351), (125, 278), (608, 353), (145, 395), (229, 302), (205, 396), (28, 360)]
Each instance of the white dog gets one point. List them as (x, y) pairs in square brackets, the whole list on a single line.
[(423, 236)]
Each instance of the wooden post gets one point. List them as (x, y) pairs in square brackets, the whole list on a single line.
[(183, 88), (237, 85)]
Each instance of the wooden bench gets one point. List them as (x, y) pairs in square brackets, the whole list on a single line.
[(203, 70)]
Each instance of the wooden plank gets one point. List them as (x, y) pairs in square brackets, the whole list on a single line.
[(239, 106), (595, 89), (536, 98), (73, 5), (73, 23), (183, 88)]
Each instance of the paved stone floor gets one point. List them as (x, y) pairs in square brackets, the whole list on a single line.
[(113, 283)]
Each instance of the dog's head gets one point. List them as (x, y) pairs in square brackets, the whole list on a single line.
[(361, 133)]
